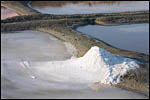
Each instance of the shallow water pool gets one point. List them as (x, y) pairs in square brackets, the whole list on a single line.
[(133, 37), (86, 7), (32, 46)]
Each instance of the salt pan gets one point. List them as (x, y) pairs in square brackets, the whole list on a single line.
[(97, 65)]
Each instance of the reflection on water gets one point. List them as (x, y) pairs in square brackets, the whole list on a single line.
[(6, 13), (133, 37), (81, 7)]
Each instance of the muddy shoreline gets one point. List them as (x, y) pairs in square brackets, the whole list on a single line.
[(64, 27)]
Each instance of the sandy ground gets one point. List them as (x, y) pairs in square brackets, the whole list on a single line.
[(20, 80)]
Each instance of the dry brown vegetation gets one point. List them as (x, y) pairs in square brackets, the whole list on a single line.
[(137, 79)]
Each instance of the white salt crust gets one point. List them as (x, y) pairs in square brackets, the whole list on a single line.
[(97, 65)]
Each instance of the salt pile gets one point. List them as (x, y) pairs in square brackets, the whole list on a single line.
[(97, 65), (30, 71), (109, 67)]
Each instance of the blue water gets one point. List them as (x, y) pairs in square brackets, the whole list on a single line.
[(85, 8), (133, 37)]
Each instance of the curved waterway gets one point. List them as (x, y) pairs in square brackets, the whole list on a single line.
[(25, 73), (134, 37), (86, 7)]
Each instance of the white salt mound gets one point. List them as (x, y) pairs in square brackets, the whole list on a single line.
[(109, 67), (97, 65)]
